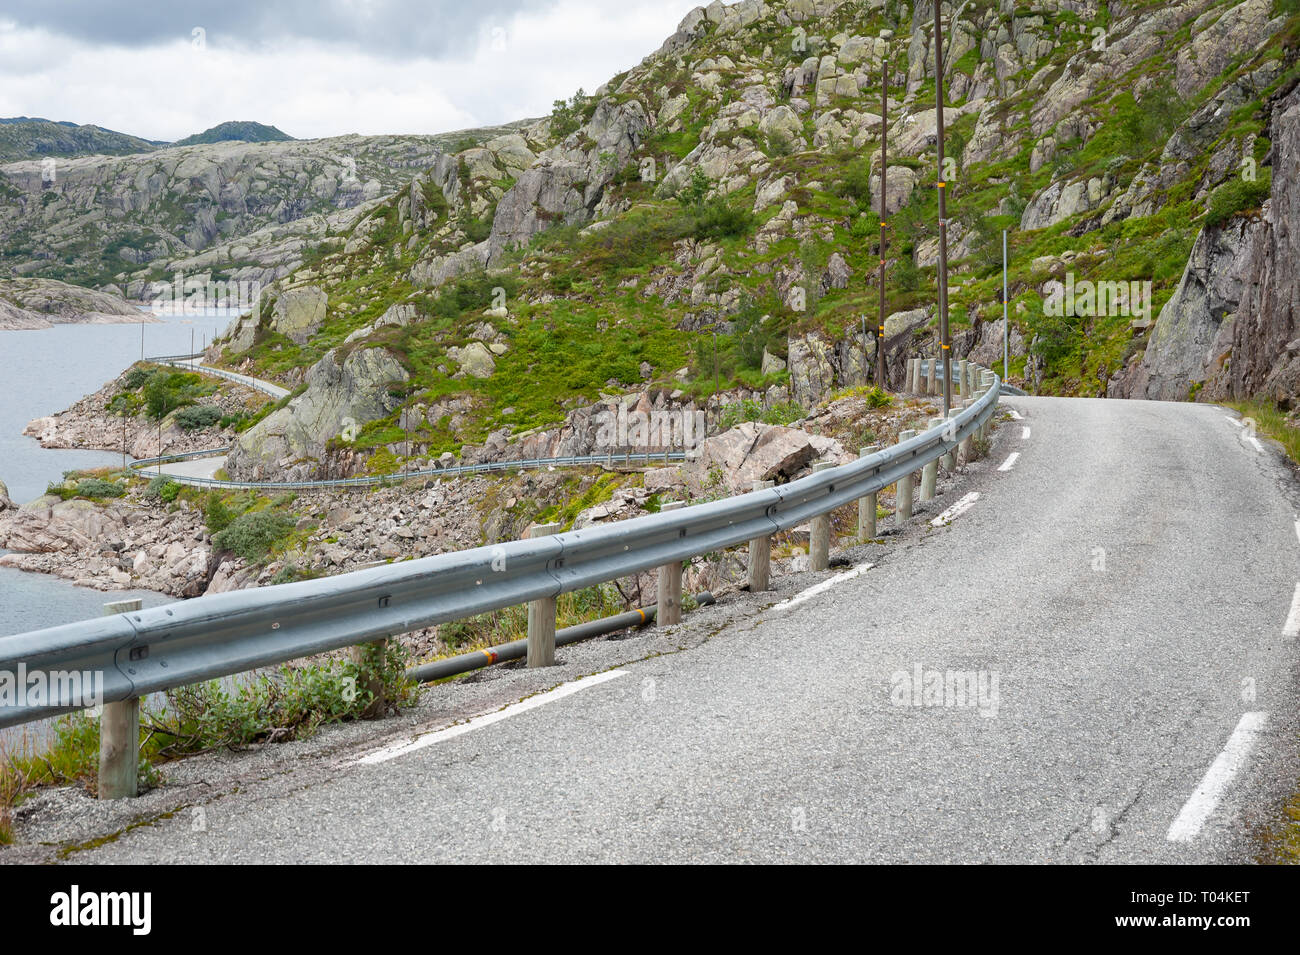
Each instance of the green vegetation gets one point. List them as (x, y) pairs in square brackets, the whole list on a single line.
[(90, 487), (198, 416), (253, 534), (1236, 196)]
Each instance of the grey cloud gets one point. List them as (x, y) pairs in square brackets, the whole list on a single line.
[(404, 27)]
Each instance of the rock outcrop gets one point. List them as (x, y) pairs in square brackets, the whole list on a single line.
[(41, 303), (341, 394)]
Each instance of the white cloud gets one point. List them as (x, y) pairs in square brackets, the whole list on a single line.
[(511, 69)]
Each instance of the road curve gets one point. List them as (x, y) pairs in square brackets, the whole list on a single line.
[(1127, 578)]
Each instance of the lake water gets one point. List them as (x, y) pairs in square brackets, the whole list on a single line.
[(43, 371)]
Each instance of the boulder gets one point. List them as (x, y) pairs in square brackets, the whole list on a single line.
[(299, 313)]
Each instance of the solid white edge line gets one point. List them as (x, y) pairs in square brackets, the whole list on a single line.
[(1010, 462), (1297, 530), (487, 719), (1024, 433), (1255, 441), (1202, 803), (1292, 626), (1233, 421), (825, 585), (957, 510)]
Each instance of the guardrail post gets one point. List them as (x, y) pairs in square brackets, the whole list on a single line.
[(903, 489), (949, 459), (760, 552), (930, 473), (119, 734), (374, 682), (819, 532), (914, 375), (963, 447), (933, 387), (541, 614), (669, 610), (867, 505)]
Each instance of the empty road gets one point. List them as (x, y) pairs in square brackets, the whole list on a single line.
[(1120, 592)]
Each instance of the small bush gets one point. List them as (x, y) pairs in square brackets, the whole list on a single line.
[(216, 514), (162, 488), (198, 416), (252, 535), (1237, 195), (718, 219), (88, 487)]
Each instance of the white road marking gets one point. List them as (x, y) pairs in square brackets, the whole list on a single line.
[(1205, 800), (1297, 530), (957, 510), (1024, 433), (478, 722), (1234, 422), (1016, 415), (1255, 441), (1292, 627), (1010, 462), (825, 585)]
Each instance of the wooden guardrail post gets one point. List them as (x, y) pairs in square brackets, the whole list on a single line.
[(949, 458), (914, 375), (933, 387), (963, 378), (119, 734), (669, 609), (964, 446), (819, 532), (867, 505), (541, 614), (930, 473), (760, 552), (363, 654), (903, 489)]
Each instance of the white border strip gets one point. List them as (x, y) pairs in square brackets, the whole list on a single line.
[(825, 585), (1292, 627), (478, 722), (1205, 800), (957, 510), (1010, 462)]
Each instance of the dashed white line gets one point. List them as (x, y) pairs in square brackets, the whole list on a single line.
[(1198, 809), (478, 722), (1024, 433), (1010, 462), (825, 585), (1292, 627), (1297, 530), (957, 510)]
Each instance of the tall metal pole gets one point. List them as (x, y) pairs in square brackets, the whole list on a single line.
[(944, 347), (1005, 347), (884, 145)]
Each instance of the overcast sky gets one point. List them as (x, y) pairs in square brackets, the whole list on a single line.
[(164, 69)]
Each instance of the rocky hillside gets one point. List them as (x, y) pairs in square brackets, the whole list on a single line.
[(40, 303), (229, 210), (729, 184), (22, 137)]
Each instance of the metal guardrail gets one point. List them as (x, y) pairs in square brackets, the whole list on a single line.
[(486, 467), (187, 361), (147, 651), (953, 375)]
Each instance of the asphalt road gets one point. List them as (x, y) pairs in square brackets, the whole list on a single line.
[(1126, 581)]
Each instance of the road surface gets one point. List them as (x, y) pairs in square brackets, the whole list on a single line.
[(1121, 590)]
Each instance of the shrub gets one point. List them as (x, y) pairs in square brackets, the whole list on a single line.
[(1237, 195), (718, 219), (198, 416), (252, 535), (216, 514), (162, 488), (90, 487)]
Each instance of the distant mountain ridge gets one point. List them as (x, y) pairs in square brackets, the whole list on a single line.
[(22, 137), (240, 131)]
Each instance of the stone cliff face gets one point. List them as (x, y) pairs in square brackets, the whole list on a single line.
[(40, 303), (1232, 327)]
